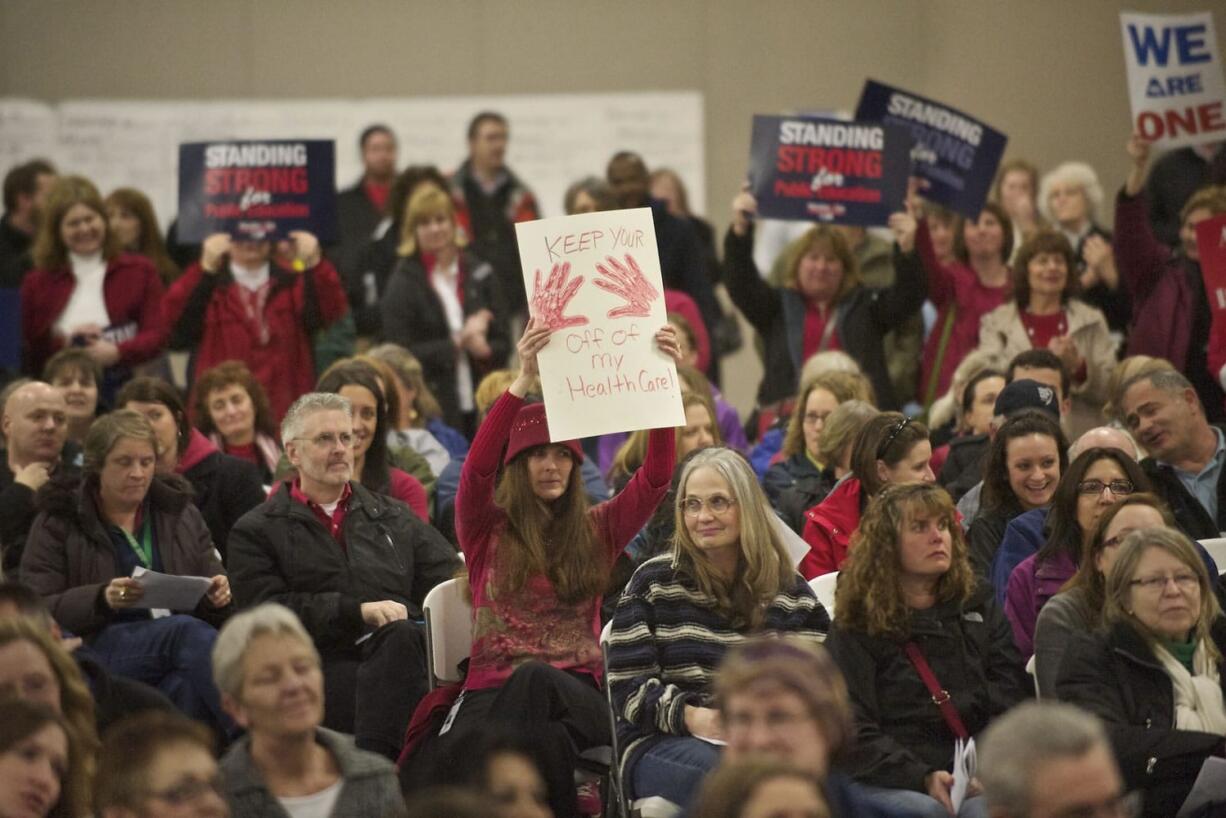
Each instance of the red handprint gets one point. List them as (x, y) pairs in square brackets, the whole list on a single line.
[(629, 284), (549, 303)]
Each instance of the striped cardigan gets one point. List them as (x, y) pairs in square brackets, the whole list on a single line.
[(668, 640)]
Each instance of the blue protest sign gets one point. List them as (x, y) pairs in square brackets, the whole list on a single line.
[(257, 189), (809, 169), (957, 154)]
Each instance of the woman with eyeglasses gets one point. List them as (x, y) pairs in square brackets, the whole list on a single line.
[(926, 652), (1078, 608), (728, 575), (159, 765), (1154, 675), (1094, 482), (892, 448)]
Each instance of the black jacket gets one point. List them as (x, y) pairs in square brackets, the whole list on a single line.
[(356, 220), (864, 316), (793, 486), (985, 535), (901, 734), (413, 317), (224, 489), (366, 282), (1190, 515), (18, 507), (964, 466), (14, 254), (280, 553), (1115, 676)]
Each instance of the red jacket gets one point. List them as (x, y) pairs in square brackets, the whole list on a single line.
[(206, 315), (681, 303), (828, 529), (132, 291)]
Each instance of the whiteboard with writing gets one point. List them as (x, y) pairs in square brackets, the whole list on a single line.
[(594, 279), (556, 139)]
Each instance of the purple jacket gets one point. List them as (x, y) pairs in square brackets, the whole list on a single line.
[(1162, 300), (1030, 586)]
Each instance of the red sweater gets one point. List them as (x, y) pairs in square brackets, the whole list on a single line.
[(533, 624), (952, 287), (132, 291), (208, 316), (408, 489)]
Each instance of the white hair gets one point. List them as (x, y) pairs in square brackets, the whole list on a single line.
[(309, 404), (238, 633), (1080, 175)]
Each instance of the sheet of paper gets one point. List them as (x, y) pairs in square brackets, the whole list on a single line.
[(1209, 788), (169, 591), (964, 771), (718, 742), (796, 547)]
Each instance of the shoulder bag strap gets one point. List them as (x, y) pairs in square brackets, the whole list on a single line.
[(940, 696)]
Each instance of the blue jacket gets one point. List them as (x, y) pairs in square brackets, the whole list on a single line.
[(1023, 536)]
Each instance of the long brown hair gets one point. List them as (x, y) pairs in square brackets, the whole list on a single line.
[(49, 251), (76, 702), (226, 374), (556, 539), (869, 595), (149, 244), (21, 720), (764, 569)]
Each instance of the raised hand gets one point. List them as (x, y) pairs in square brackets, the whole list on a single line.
[(628, 282), (549, 302)]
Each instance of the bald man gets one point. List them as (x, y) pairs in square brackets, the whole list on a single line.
[(1104, 437), (34, 422)]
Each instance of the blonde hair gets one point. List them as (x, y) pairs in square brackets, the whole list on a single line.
[(832, 360), (426, 203), (844, 386), (493, 385), (842, 428), (764, 569), (1076, 173), (826, 236), (407, 369), (631, 454)]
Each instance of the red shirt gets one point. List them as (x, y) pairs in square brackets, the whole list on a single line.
[(377, 194), (815, 327), (1042, 328), (331, 523)]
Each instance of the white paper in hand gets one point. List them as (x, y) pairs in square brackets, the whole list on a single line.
[(796, 547), (964, 771), (1209, 789), (169, 591)]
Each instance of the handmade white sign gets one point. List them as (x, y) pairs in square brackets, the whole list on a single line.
[(1174, 78), (595, 280)]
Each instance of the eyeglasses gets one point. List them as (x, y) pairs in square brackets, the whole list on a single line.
[(189, 790), (1156, 584), (1118, 487), (894, 433), (328, 441), (1122, 806), (716, 504), (813, 418)]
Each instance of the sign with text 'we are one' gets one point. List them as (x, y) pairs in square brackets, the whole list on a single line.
[(1174, 78)]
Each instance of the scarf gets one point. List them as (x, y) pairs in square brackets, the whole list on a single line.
[(1198, 698)]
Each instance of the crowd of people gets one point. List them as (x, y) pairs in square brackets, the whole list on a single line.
[(1010, 497)]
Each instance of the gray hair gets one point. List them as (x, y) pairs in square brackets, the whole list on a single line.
[(1029, 735), (600, 192), (1079, 174), (309, 404), (237, 634), (1095, 437)]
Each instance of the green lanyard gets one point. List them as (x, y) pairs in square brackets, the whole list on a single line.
[(144, 548)]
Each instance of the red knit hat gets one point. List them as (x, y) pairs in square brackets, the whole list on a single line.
[(531, 428)]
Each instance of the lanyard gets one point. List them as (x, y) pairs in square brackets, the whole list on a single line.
[(144, 548)]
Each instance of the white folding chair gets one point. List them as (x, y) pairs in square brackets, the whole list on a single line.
[(449, 631), (823, 589), (1217, 549), (652, 807)]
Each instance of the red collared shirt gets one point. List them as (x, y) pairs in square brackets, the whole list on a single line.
[(334, 523)]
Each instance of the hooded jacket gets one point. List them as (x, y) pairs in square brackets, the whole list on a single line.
[(829, 526)]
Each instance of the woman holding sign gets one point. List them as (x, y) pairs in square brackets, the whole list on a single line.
[(928, 656), (538, 560), (822, 305), (91, 538)]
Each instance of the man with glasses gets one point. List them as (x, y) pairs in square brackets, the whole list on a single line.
[(1051, 760), (354, 566)]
